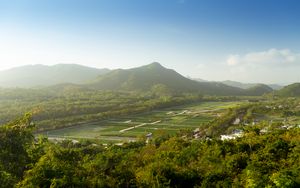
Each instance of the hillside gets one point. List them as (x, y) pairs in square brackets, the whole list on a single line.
[(239, 84), (258, 90), (147, 77), (42, 75), (249, 85), (292, 90)]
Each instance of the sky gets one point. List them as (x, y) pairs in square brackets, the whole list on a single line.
[(242, 40)]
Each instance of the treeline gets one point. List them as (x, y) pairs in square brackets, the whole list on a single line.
[(255, 160)]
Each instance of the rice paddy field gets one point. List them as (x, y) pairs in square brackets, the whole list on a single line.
[(129, 128)]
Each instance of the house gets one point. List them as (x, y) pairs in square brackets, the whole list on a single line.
[(237, 121), (236, 133)]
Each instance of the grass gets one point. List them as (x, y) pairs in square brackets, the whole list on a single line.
[(171, 121)]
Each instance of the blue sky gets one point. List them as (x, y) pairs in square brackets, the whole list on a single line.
[(242, 40)]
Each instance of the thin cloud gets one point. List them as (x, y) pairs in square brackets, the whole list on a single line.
[(233, 60), (281, 57)]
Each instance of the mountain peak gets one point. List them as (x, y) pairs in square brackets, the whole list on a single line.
[(155, 65)]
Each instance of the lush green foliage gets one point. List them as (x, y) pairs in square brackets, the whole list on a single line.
[(15, 150), (254, 160)]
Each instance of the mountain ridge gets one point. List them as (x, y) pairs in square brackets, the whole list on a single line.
[(147, 76), (39, 75), (150, 77), (241, 85)]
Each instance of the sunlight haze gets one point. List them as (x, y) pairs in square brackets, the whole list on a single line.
[(149, 93)]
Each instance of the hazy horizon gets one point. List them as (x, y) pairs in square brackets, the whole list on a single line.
[(253, 41), (187, 76)]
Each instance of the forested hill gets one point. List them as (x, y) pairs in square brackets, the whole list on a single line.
[(258, 90), (42, 75), (155, 76), (292, 90)]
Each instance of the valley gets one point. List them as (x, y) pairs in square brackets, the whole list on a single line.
[(147, 126), (225, 138), (149, 94), (130, 128)]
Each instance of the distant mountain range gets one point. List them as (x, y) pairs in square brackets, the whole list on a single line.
[(145, 78), (241, 85), (249, 85), (43, 75)]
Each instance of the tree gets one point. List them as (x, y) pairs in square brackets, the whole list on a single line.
[(16, 138)]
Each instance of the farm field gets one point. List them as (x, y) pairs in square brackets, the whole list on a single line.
[(284, 112), (170, 120)]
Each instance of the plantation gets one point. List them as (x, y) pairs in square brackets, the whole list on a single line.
[(169, 120)]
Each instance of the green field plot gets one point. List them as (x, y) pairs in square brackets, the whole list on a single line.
[(170, 120)]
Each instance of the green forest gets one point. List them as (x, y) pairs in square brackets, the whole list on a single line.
[(258, 159)]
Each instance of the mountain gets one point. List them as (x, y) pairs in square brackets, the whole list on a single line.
[(239, 84), (275, 86), (292, 90), (258, 90), (249, 85), (198, 79), (147, 77), (43, 75), (153, 77)]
